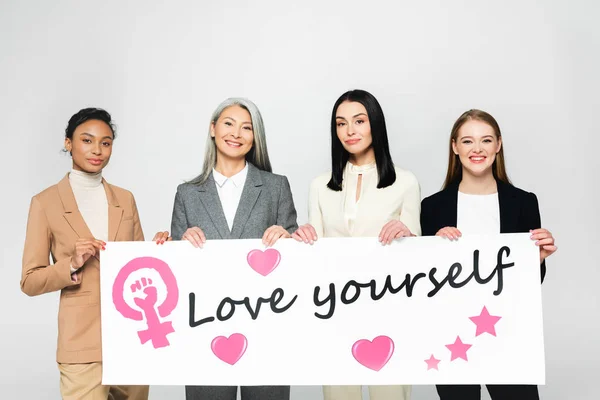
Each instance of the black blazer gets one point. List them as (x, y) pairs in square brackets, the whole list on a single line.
[(519, 211)]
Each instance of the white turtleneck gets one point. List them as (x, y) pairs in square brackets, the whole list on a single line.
[(91, 201)]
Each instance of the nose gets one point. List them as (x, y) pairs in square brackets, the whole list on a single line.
[(97, 149), (237, 133)]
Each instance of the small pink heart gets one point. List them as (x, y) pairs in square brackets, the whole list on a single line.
[(264, 262), (375, 354), (229, 349)]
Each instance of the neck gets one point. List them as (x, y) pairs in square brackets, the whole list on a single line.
[(364, 158), (228, 167), (471, 184)]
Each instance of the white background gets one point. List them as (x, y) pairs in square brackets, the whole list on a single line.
[(162, 67), (295, 347)]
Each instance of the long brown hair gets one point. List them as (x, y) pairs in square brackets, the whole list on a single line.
[(454, 173)]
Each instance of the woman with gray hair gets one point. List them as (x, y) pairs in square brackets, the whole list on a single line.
[(236, 196)]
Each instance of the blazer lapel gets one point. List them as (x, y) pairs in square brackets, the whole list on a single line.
[(71, 212), (450, 204), (509, 212), (212, 203), (115, 212), (250, 193)]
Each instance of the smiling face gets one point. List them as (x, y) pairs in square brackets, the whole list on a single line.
[(91, 146), (476, 145), (354, 129), (233, 133)]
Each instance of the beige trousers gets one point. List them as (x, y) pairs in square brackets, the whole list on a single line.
[(395, 392), (84, 382)]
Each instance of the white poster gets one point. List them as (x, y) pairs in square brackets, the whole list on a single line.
[(344, 311)]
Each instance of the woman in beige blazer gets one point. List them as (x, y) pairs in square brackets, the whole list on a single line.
[(72, 221)]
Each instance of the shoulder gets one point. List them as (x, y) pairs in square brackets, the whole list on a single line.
[(271, 178), (435, 200), (405, 177), (122, 195), (519, 193), (48, 195), (320, 182)]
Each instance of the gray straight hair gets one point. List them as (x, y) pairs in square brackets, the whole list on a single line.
[(258, 154)]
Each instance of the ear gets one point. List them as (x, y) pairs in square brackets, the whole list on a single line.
[(499, 145), (68, 144), (212, 129), (454, 147)]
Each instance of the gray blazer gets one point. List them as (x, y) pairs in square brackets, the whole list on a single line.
[(266, 200)]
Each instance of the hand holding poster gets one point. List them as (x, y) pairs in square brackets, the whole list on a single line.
[(344, 311)]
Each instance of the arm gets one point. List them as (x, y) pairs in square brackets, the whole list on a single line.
[(315, 218), (37, 275), (286, 212), (531, 216), (178, 219), (411, 208), (426, 227), (138, 233)]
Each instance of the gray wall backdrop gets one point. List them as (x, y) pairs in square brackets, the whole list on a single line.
[(161, 68)]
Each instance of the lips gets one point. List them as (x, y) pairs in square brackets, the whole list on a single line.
[(233, 144), (352, 141), (477, 159), (95, 161)]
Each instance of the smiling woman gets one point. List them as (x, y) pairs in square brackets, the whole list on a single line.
[(72, 221), (478, 198), (236, 196)]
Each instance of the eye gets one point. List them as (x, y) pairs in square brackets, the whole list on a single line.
[(248, 128), (228, 123), (487, 141), (466, 141), (86, 140), (107, 144), (360, 121), (340, 124)]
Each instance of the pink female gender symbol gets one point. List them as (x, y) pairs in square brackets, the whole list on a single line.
[(157, 331)]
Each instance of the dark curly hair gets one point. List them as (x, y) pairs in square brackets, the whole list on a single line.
[(88, 114)]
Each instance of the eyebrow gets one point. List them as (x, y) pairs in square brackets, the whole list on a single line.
[(354, 116), (90, 135), (233, 119), (471, 137)]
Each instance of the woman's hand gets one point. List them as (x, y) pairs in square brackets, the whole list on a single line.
[(305, 233), (84, 249), (545, 241), (195, 236), (161, 237), (273, 233), (393, 230), (449, 232)]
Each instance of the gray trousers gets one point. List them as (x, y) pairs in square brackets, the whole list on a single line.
[(230, 392)]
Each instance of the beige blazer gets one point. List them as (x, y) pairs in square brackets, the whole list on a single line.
[(54, 225)]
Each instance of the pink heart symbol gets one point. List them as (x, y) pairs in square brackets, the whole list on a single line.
[(264, 262), (375, 354), (229, 349)]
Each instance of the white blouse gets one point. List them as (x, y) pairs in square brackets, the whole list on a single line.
[(478, 214), (230, 192), (339, 214)]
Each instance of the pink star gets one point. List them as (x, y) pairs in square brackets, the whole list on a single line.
[(485, 322), (432, 363), (458, 349)]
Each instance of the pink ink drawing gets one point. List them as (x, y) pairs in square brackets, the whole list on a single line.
[(458, 349), (485, 322), (432, 363), (264, 262), (375, 354), (230, 349), (156, 331)]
